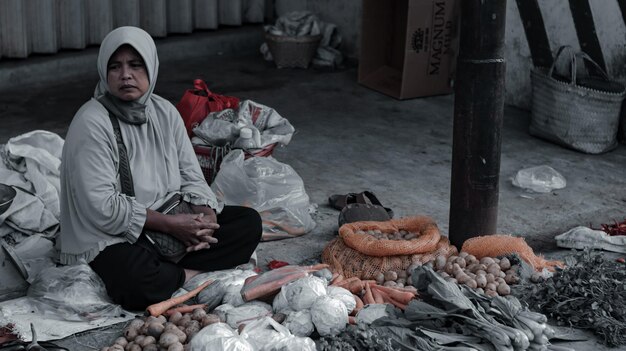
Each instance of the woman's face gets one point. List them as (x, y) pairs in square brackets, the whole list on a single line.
[(127, 76)]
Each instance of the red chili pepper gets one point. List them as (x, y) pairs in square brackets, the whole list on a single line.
[(276, 264), (621, 260), (615, 228)]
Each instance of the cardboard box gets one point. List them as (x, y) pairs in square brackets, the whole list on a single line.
[(409, 47)]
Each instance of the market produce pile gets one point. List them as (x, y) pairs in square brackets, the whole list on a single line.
[(590, 293), (428, 296)]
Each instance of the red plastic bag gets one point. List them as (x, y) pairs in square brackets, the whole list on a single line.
[(198, 102)]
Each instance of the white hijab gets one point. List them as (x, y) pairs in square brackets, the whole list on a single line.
[(133, 111)]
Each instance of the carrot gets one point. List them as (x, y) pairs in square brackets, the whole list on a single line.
[(267, 285), (337, 279), (378, 297), (359, 304), (368, 298), (354, 285), (159, 308), (345, 282), (401, 296), (352, 320), (270, 287), (183, 309), (388, 299)]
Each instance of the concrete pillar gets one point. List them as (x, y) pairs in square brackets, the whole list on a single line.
[(43, 35), (13, 29), (230, 12), (205, 14), (99, 20), (179, 16), (253, 11), (72, 24), (125, 13), (153, 17)]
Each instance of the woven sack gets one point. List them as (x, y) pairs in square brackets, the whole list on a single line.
[(502, 245), (351, 263), (425, 228), (580, 113)]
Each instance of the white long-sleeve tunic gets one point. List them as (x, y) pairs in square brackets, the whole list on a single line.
[(94, 212)]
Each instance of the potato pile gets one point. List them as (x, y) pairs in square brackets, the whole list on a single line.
[(160, 334), (401, 235), (490, 276)]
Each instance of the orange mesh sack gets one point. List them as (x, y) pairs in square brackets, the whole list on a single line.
[(426, 240), (500, 245), (352, 263)]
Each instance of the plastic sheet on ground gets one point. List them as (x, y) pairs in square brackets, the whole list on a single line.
[(584, 237), (72, 293), (36, 253), (21, 313)]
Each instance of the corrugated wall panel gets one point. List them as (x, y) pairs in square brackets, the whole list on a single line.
[(126, 13), (230, 12), (13, 27), (179, 16), (43, 34), (153, 17), (99, 20), (205, 14), (72, 24)]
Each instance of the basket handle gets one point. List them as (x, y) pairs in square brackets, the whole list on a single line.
[(572, 56), (597, 67)]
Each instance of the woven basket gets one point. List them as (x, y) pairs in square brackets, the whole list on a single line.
[(210, 157), (582, 114), (292, 52)]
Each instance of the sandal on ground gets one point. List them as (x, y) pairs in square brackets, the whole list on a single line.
[(363, 212), (339, 202), (367, 197)]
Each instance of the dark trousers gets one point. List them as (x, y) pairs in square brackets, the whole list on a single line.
[(135, 277)]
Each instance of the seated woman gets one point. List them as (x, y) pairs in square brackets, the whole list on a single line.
[(102, 224)]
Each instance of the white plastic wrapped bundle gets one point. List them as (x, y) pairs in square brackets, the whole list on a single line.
[(247, 313), (219, 336), (233, 295), (221, 311), (344, 295), (329, 315), (302, 293), (299, 323), (280, 304)]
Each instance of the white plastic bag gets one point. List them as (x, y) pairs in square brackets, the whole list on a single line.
[(302, 293), (219, 336), (540, 179), (329, 316), (247, 313), (268, 335), (343, 295), (300, 323), (272, 188)]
